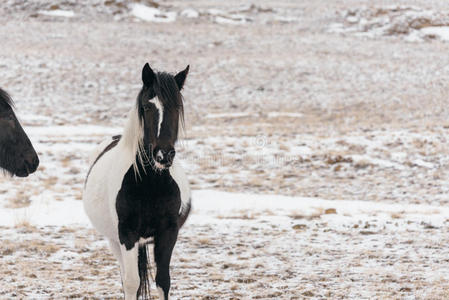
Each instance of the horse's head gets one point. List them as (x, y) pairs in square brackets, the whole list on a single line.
[(160, 109), (17, 155)]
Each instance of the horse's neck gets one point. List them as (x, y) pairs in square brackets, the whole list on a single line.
[(147, 172)]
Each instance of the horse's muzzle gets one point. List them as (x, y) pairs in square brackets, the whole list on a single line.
[(29, 165), (164, 157)]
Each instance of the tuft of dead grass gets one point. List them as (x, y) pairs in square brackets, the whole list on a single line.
[(20, 200)]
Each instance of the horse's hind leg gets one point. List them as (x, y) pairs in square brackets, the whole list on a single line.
[(164, 242), (115, 248), (130, 273)]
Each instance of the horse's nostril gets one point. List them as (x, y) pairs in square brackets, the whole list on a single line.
[(159, 156)]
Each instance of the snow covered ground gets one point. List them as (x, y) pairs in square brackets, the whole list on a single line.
[(317, 152), (242, 246)]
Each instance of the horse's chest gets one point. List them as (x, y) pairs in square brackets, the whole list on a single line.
[(145, 208)]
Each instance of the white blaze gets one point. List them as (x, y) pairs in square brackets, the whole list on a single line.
[(160, 110)]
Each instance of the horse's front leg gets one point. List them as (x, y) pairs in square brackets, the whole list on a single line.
[(164, 242), (130, 272)]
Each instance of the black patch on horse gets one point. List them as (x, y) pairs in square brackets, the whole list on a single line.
[(147, 205)]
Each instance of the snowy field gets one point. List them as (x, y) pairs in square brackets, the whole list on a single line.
[(242, 246), (315, 143)]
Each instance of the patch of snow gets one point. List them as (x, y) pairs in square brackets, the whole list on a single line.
[(190, 13), (275, 114), (228, 115), (414, 36), (216, 12), (336, 28), (57, 13), (399, 156), (45, 211), (207, 202), (152, 14), (352, 19), (88, 130), (33, 119), (286, 19), (422, 163), (300, 150), (232, 19), (442, 32)]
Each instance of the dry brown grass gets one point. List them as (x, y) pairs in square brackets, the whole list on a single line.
[(25, 226), (20, 200), (316, 215), (398, 215), (49, 182), (298, 216)]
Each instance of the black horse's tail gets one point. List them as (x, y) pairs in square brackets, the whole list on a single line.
[(144, 268)]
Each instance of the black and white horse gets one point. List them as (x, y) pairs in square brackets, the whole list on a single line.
[(136, 192), (17, 155)]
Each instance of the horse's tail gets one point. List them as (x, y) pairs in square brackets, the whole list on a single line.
[(144, 267), (184, 213)]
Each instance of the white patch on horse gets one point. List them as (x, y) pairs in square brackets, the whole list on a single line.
[(116, 250), (98, 150), (102, 186), (131, 280), (161, 293), (160, 110), (144, 241)]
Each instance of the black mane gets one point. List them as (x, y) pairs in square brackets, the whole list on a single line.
[(168, 93), (5, 100)]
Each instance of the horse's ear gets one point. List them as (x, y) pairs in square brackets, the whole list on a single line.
[(148, 76), (181, 77)]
